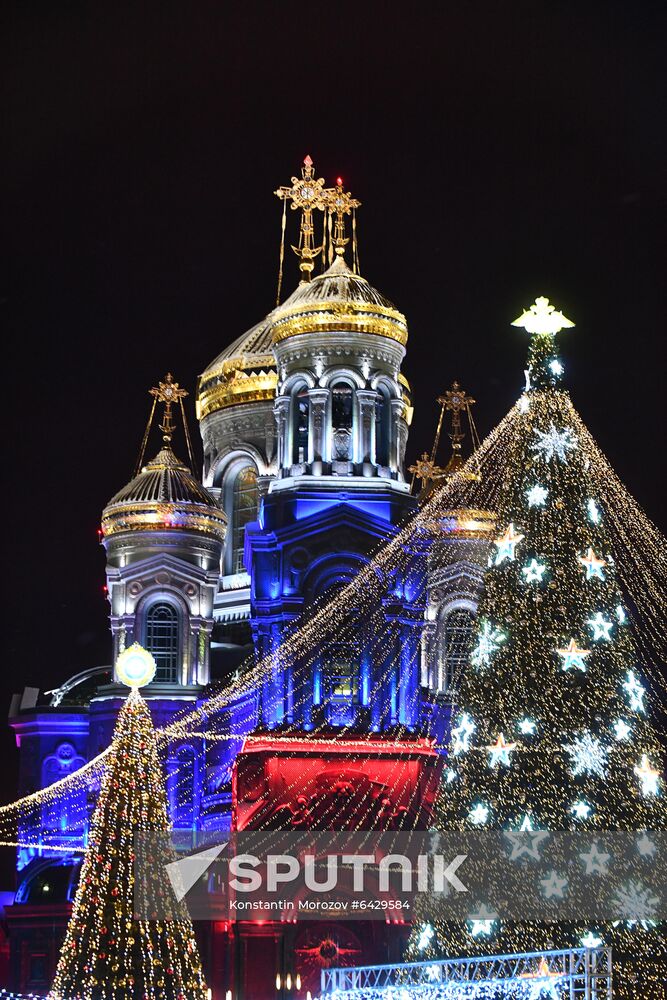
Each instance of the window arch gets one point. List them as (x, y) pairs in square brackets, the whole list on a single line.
[(342, 421), (162, 639), (456, 631), (300, 417), (244, 510), (382, 426)]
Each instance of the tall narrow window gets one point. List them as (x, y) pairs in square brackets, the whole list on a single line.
[(382, 427), (342, 418), (244, 508), (300, 415), (456, 635), (340, 672), (162, 640)]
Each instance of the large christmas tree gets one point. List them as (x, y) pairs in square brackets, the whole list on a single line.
[(553, 729), (107, 953)]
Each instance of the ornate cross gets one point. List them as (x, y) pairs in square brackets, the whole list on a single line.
[(306, 193)]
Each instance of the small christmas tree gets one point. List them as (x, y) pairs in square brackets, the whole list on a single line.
[(552, 730), (107, 954)]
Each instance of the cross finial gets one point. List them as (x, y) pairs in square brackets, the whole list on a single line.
[(339, 204), (169, 393), (306, 193), (542, 317), (455, 400)]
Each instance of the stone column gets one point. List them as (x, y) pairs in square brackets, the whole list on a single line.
[(316, 429), (366, 399), (281, 411), (394, 436)]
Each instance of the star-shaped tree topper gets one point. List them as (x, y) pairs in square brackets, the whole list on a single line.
[(542, 317), (592, 564)]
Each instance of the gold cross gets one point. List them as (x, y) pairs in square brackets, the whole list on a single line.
[(340, 203), (169, 393), (306, 193)]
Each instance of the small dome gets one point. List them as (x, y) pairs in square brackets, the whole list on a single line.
[(165, 495), (338, 300), (245, 372)]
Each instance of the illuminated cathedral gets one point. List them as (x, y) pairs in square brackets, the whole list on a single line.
[(304, 421)]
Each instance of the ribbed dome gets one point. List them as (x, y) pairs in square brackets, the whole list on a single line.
[(245, 372), (165, 494), (253, 344), (338, 299)]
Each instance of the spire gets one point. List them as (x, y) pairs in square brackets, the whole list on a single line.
[(306, 193), (543, 321), (340, 203)]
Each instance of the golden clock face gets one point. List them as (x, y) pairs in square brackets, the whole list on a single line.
[(135, 666)]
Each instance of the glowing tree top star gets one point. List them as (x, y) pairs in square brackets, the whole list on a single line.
[(554, 442), (588, 755), (573, 656), (592, 564), (507, 543)]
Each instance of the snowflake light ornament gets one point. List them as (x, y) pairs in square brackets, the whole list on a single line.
[(580, 810), (588, 755), (537, 495), (526, 727), (554, 442), (635, 692), (461, 735), (479, 814), (645, 846), (637, 904), (488, 640)]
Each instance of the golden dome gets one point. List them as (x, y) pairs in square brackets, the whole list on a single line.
[(164, 496), (337, 300), (245, 372)]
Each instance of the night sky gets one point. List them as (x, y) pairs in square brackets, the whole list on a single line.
[(501, 151)]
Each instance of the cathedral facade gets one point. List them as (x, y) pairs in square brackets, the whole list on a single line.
[(304, 423)]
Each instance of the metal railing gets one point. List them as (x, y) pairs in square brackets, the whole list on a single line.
[(572, 974)]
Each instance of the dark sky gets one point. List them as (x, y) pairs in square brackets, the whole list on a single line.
[(501, 150)]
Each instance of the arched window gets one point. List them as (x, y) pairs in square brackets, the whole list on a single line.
[(340, 681), (382, 427), (244, 510), (457, 629), (300, 416), (342, 420), (161, 638)]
